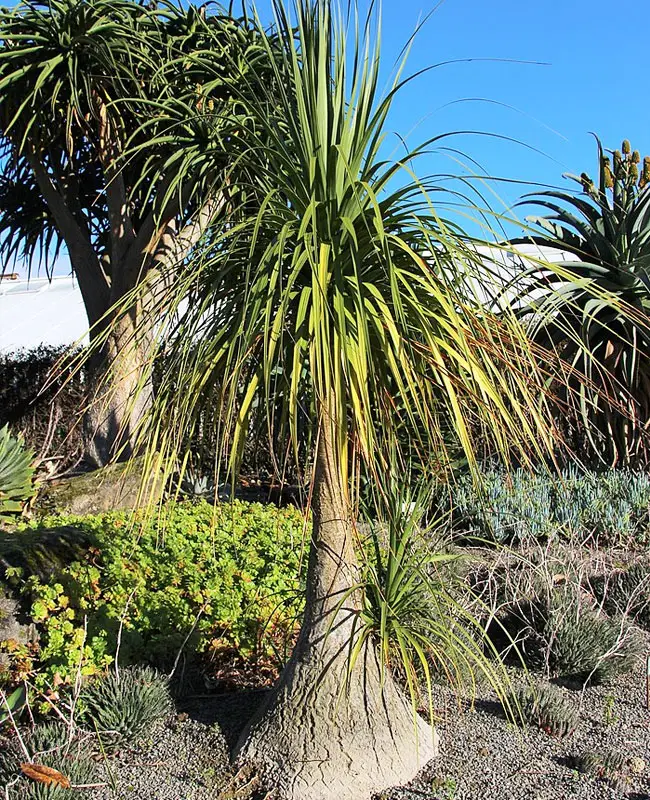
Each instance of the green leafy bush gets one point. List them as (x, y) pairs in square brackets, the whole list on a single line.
[(613, 505), (16, 475), (206, 579), (124, 706)]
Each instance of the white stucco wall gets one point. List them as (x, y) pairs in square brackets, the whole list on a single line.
[(40, 311)]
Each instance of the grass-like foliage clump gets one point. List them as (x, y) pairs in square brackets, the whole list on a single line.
[(122, 706), (416, 606)]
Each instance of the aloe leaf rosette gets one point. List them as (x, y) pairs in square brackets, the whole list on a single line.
[(16, 474)]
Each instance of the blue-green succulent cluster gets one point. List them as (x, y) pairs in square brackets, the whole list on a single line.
[(613, 505)]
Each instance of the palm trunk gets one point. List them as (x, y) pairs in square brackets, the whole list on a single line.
[(122, 393), (124, 389), (327, 732)]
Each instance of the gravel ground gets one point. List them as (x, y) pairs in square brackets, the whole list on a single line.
[(183, 760), (186, 756), (482, 755)]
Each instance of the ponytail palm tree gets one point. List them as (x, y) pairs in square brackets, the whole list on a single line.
[(342, 296)]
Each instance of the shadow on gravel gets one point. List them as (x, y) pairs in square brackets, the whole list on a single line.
[(568, 762), (229, 711), (491, 707)]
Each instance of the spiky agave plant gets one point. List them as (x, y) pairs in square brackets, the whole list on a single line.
[(594, 309), (16, 475), (123, 706), (339, 299), (625, 592)]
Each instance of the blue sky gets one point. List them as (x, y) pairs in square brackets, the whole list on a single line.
[(590, 75)]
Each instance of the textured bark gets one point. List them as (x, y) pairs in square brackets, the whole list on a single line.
[(122, 394), (325, 732)]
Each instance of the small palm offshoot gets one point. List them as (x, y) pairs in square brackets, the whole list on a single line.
[(593, 310), (415, 600), (339, 299)]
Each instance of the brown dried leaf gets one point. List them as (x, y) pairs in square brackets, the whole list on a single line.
[(46, 775)]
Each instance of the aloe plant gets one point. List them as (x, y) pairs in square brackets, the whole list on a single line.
[(593, 309), (126, 706), (12, 705), (545, 706), (16, 474)]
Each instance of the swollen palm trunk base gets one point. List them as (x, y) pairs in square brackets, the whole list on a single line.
[(314, 740), (328, 731)]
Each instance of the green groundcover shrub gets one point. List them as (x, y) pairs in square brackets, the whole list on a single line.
[(613, 505), (195, 577)]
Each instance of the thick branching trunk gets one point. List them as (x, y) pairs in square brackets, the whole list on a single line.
[(121, 393), (122, 390), (328, 732), (123, 385)]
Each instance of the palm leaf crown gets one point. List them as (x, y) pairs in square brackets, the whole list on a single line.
[(83, 83), (342, 295)]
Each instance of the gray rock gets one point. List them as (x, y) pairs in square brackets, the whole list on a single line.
[(13, 625), (113, 488)]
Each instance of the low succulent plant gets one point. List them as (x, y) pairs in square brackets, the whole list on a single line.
[(16, 475), (544, 706), (50, 746), (564, 639), (625, 591), (124, 707), (519, 505), (608, 766), (590, 648), (196, 484)]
